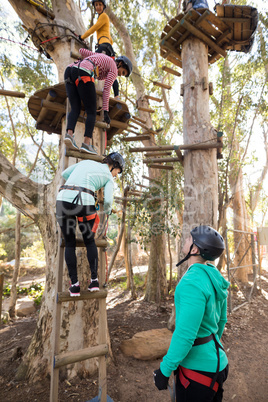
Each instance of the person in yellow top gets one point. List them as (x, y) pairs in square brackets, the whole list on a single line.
[(102, 27)]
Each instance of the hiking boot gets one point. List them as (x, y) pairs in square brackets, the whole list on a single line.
[(74, 289), (94, 286), (70, 142), (89, 149)]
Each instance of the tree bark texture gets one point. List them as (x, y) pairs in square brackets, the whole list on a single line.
[(79, 320), (13, 293), (200, 166)]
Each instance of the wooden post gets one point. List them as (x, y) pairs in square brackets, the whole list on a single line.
[(200, 168), (14, 94)]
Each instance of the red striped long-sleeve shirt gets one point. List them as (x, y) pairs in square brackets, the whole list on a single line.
[(107, 71)]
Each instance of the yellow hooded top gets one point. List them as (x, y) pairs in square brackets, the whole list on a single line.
[(102, 27)]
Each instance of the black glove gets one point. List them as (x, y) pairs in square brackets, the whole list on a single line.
[(79, 36), (106, 117), (160, 380)]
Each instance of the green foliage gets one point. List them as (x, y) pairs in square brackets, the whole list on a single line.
[(35, 291), (31, 244)]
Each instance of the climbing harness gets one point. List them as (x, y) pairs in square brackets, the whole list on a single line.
[(85, 79), (107, 47), (89, 218), (80, 190), (186, 374)]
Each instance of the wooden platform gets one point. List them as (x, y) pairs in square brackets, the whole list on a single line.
[(231, 29), (48, 106)]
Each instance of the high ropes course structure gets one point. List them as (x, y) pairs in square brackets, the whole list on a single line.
[(230, 28)]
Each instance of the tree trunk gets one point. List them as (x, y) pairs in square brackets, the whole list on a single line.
[(79, 320), (121, 233), (13, 293), (200, 166)]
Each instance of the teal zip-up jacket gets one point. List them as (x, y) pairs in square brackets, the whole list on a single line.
[(91, 175), (201, 310)]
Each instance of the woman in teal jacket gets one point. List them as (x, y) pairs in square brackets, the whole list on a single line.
[(195, 353), (76, 202)]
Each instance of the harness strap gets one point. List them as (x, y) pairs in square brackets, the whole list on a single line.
[(78, 197), (197, 377), (85, 79), (206, 339), (89, 218)]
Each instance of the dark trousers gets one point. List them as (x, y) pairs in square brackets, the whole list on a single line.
[(106, 48), (66, 214), (196, 392), (85, 92)]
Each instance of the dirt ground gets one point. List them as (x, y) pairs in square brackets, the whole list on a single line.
[(130, 380)]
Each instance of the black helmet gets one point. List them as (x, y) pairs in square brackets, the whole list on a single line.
[(117, 160), (127, 63), (101, 1), (209, 242)]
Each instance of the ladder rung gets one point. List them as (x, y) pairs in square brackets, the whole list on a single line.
[(79, 243), (80, 355), (84, 295)]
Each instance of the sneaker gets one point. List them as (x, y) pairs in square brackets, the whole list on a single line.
[(94, 286), (74, 289), (89, 149), (70, 142)]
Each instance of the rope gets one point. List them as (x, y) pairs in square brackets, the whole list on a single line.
[(19, 43)]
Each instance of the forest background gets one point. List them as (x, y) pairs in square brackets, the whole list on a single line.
[(238, 108)]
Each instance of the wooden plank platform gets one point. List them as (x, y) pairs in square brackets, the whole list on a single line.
[(47, 106), (231, 29)]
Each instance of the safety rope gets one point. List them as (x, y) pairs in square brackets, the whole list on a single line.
[(19, 43)]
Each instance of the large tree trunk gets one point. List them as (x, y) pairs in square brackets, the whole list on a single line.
[(79, 320), (200, 167)]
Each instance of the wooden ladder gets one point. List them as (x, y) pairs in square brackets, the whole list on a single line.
[(100, 351)]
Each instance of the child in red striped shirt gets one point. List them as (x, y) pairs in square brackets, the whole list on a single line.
[(79, 82)]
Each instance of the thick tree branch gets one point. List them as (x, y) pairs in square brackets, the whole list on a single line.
[(20, 191)]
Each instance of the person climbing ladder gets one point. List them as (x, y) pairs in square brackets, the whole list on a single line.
[(76, 199), (104, 39), (79, 82)]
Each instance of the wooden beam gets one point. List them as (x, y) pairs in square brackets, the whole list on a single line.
[(164, 167), (79, 243), (164, 153), (197, 146), (132, 126), (179, 154), (171, 71), (115, 110), (196, 32), (187, 33), (15, 94), (44, 110), (161, 160), (160, 84), (139, 119), (153, 98), (131, 131), (140, 124), (239, 20), (138, 138), (142, 185), (80, 355), (83, 155), (84, 295), (145, 109), (150, 179), (153, 148)]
